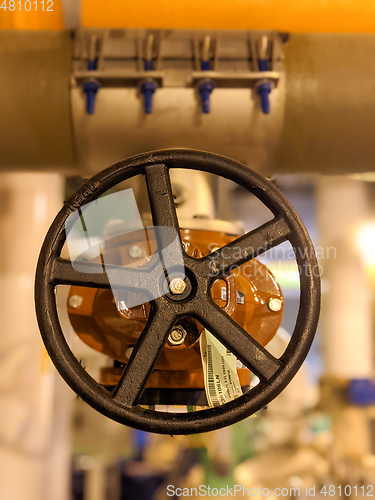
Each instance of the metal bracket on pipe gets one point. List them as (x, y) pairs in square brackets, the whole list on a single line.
[(177, 58)]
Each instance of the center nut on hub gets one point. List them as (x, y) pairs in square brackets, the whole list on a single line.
[(177, 286)]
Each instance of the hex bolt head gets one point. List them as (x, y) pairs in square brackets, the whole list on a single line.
[(177, 286), (135, 252), (75, 301), (177, 335), (275, 305)]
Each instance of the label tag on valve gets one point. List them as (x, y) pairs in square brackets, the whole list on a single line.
[(221, 380)]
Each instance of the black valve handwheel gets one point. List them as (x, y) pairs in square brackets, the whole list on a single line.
[(274, 374)]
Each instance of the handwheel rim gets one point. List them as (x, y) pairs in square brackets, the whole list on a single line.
[(205, 420)]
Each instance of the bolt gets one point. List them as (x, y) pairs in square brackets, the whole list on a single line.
[(177, 336), (135, 252), (90, 88), (148, 65), (264, 90), (275, 305), (205, 88), (75, 301), (177, 286), (148, 88)]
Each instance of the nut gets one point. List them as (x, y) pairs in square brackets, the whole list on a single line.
[(75, 301), (177, 335), (135, 252), (275, 305), (177, 286)]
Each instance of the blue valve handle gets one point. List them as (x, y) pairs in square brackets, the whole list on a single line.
[(263, 64), (90, 88), (148, 65), (147, 89), (264, 90), (205, 89), (140, 442), (361, 392), (92, 64)]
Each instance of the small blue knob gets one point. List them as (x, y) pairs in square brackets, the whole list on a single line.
[(205, 89), (361, 392), (90, 88), (140, 442), (264, 90), (148, 64), (205, 66), (148, 88), (263, 64), (92, 64)]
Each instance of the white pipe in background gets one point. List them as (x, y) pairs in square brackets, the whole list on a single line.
[(34, 409), (347, 315)]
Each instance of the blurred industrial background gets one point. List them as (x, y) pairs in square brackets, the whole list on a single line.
[(285, 87)]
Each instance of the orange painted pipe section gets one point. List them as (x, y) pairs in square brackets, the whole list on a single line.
[(293, 16)]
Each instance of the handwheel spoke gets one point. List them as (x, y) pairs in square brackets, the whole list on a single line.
[(144, 357), (164, 216), (95, 275), (248, 246), (239, 342)]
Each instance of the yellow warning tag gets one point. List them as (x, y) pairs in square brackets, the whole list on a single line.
[(221, 380)]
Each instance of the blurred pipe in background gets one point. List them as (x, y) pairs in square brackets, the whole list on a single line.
[(34, 401), (347, 315)]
